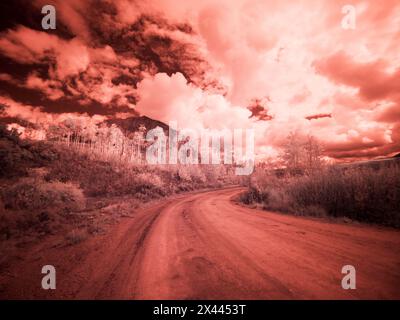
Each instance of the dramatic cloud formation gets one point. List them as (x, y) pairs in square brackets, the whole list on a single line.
[(274, 66)]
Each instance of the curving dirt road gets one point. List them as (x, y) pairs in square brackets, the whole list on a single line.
[(204, 246)]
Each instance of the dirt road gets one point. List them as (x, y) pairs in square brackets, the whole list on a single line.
[(204, 246)]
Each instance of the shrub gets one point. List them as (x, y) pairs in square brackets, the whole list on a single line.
[(17, 155), (36, 195), (362, 193), (149, 179), (107, 178), (149, 185)]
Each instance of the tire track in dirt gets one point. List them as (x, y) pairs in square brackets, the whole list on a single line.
[(212, 248)]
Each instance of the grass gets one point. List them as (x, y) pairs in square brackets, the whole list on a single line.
[(35, 195), (100, 178), (76, 236), (48, 188), (358, 193)]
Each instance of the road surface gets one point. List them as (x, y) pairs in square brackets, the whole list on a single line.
[(205, 246)]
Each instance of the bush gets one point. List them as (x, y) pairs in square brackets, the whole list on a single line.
[(370, 194), (149, 179), (36, 195), (17, 155), (106, 178), (149, 185)]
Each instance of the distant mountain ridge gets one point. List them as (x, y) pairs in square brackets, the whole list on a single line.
[(132, 124)]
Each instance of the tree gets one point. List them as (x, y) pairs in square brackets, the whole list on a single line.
[(292, 152), (312, 153), (301, 153), (139, 140)]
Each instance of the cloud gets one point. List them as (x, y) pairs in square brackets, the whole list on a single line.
[(18, 110), (6, 77), (203, 63), (371, 78), (319, 116), (36, 115), (259, 110), (178, 100), (389, 113), (29, 46), (50, 88), (73, 14)]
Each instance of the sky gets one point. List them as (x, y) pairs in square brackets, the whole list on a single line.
[(275, 66)]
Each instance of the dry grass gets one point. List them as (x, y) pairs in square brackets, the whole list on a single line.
[(100, 178), (35, 205), (36, 195), (84, 184), (76, 236), (358, 193), (51, 196)]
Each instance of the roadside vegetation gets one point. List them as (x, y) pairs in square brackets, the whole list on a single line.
[(74, 186), (85, 177), (368, 192)]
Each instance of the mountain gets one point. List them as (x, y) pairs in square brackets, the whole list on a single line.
[(132, 124)]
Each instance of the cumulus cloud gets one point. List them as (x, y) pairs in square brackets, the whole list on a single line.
[(178, 100)]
